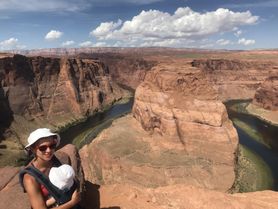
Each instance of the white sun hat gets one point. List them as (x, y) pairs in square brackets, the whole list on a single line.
[(41, 133), (62, 177)]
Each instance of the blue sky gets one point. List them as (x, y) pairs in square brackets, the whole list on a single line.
[(212, 24)]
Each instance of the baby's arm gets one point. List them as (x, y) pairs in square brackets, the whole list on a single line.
[(50, 201)]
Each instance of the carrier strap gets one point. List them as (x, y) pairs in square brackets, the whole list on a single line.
[(59, 195)]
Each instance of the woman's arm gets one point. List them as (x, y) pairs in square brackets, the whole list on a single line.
[(75, 198), (34, 193), (36, 199)]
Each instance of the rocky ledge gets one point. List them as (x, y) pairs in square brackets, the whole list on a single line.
[(181, 197), (179, 133), (265, 102), (176, 149)]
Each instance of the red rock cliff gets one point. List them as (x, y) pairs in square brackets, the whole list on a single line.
[(179, 134), (266, 95), (128, 69), (235, 79), (38, 91)]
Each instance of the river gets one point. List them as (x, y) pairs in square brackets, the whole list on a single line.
[(255, 134), (84, 132), (258, 136)]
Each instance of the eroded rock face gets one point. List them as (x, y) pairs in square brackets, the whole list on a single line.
[(182, 107), (266, 95), (11, 193), (181, 134), (235, 79), (127, 69), (37, 91)]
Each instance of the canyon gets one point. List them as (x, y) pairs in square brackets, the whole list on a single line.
[(50, 92), (177, 149)]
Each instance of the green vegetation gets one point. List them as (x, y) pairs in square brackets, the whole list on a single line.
[(12, 153), (250, 131), (252, 173), (86, 136), (262, 114), (240, 107), (12, 157)]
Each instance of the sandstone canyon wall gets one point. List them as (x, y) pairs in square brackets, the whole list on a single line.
[(266, 95), (186, 136), (128, 69), (265, 102), (38, 91), (236, 79), (178, 145)]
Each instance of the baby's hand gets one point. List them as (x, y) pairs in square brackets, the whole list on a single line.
[(76, 197), (50, 201)]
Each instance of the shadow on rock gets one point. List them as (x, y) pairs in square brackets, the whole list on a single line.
[(6, 114), (92, 197)]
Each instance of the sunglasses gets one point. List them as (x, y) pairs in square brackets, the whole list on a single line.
[(44, 147)]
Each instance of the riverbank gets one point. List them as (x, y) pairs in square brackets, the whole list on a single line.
[(252, 173), (268, 116), (83, 132), (257, 158), (12, 153)]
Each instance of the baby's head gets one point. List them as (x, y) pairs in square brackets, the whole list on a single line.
[(62, 177)]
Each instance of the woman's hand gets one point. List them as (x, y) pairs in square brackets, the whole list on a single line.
[(76, 197)]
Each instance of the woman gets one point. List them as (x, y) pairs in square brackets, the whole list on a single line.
[(42, 143)]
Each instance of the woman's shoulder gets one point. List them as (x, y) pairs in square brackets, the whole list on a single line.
[(27, 175), (27, 178)]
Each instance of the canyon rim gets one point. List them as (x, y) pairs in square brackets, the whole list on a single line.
[(176, 146)]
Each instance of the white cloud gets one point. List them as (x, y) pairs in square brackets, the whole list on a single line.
[(11, 43), (238, 33), (68, 43), (105, 28), (246, 42), (206, 46), (223, 42), (100, 44), (91, 44), (53, 34), (161, 27), (86, 44)]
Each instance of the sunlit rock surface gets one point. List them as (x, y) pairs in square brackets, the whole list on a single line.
[(181, 135), (181, 197)]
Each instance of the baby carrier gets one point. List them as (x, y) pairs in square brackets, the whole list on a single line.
[(61, 196)]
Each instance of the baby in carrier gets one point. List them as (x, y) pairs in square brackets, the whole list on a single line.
[(61, 177)]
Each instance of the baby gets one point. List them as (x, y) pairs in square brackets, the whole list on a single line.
[(62, 177)]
